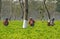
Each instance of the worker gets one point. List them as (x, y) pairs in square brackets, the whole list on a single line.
[(31, 21)]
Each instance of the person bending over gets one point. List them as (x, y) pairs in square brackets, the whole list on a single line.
[(6, 23), (31, 22)]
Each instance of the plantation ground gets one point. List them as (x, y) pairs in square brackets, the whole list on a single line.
[(40, 31)]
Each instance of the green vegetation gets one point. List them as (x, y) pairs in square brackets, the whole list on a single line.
[(40, 31)]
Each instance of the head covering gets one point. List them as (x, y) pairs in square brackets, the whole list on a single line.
[(6, 18), (30, 17), (48, 20)]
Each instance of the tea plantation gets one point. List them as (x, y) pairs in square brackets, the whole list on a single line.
[(40, 31)]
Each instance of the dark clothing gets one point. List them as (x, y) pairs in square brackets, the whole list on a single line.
[(52, 22), (48, 23), (6, 22), (31, 22)]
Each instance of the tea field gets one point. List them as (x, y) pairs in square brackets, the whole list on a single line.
[(40, 31)]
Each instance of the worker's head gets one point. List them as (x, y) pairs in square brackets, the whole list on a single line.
[(53, 19), (6, 19), (30, 17)]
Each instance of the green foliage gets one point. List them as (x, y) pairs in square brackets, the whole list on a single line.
[(40, 31)]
